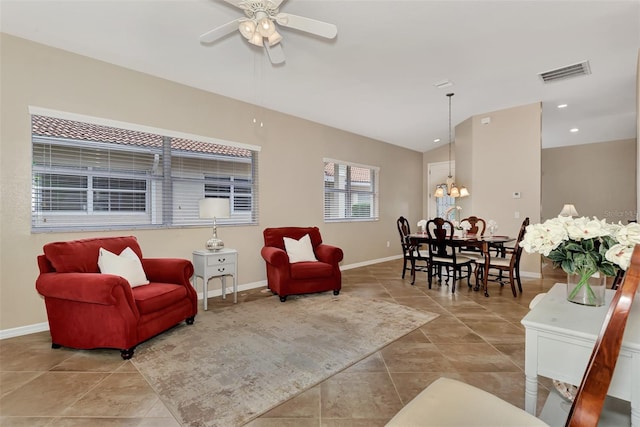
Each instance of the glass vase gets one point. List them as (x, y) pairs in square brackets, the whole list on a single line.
[(587, 289)]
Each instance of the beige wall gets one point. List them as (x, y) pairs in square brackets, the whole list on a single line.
[(599, 179), (638, 137), (497, 159), (291, 188)]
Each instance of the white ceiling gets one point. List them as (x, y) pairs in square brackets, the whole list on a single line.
[(377, 77)]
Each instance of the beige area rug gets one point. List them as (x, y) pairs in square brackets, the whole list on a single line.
[(233, 365)]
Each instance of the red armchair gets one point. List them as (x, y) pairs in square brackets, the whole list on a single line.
[(87, 309), (285, 278)]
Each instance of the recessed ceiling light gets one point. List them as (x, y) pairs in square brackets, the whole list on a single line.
[(436, 140), (562, 105), (574, 130)]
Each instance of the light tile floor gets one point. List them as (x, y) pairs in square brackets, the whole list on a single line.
[(475, 339)]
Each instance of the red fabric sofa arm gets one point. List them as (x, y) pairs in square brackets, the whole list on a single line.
[(168, 270), (329, 254), (275, 256), (94, 288)]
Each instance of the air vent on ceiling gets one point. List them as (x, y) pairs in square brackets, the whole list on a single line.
[(574, 70)]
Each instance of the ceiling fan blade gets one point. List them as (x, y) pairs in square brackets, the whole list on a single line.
[(221, 31), (236, 3), (276, 54), (319, 28)]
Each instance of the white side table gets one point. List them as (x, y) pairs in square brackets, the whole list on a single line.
[(222, 263), (559, 339)]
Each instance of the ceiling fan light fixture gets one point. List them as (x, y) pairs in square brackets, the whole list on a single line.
[(266, 27), (247, 28), (256, 39), (274, 38)]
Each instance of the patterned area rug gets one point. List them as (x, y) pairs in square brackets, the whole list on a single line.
[(233, 365)]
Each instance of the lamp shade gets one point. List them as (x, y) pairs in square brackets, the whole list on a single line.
[(568, 210), (212, 207), (256, 39), (247, 28), (464, 192), (274, 38), (265, 27)]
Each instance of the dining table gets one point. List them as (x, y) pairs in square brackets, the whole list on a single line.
[(484, 243)]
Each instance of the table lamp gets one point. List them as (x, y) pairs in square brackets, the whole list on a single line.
[(568, 210), (211, 207)]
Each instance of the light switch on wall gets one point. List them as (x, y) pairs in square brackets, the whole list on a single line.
[(516, 195)]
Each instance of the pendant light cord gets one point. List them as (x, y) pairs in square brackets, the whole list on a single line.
[(450, 95)]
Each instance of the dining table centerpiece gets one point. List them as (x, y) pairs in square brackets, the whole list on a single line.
[(590, 251), (461, 228)]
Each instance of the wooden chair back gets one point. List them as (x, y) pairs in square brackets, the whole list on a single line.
[(440, 231), (589, 399), (517, 249), (404, 230), (478, 225)]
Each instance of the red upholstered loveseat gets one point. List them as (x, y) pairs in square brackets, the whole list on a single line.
[(87, 309), (285, 278)]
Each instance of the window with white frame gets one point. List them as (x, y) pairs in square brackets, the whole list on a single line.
[(350, 191), (95, 176)]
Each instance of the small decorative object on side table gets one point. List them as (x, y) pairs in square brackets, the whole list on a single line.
[(221, 263)]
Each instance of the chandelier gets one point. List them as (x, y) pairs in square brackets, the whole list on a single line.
[(450, 188)]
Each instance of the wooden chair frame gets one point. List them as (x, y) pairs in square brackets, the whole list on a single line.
[(411, 253), (442, 253), (513, 267)]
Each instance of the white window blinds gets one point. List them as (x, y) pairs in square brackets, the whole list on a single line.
[(350, 191), (93, 176)]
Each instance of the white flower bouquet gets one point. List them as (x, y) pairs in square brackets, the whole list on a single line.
[(423, 225), (465, 225), (583, 246), (627, 237)]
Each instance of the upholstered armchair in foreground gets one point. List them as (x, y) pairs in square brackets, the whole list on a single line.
[(88, 309), (303, 269)]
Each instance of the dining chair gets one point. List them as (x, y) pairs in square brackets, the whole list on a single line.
[(443, 253), (439, 403), (509, 263), (478, 225), (414, 258)]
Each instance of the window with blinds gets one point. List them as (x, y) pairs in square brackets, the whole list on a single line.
[(92, 176), (350, 191)]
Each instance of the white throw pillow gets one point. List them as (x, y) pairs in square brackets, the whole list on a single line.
[(126, 265), (299, 250)]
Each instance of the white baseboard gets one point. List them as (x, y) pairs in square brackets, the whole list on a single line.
[(530, 274), (24, 330), (229, 289), (370, 262)]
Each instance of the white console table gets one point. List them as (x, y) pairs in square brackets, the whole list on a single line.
[(559, 339), (209, 264)]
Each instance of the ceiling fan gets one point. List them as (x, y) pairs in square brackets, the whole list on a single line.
[(259, 26)]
